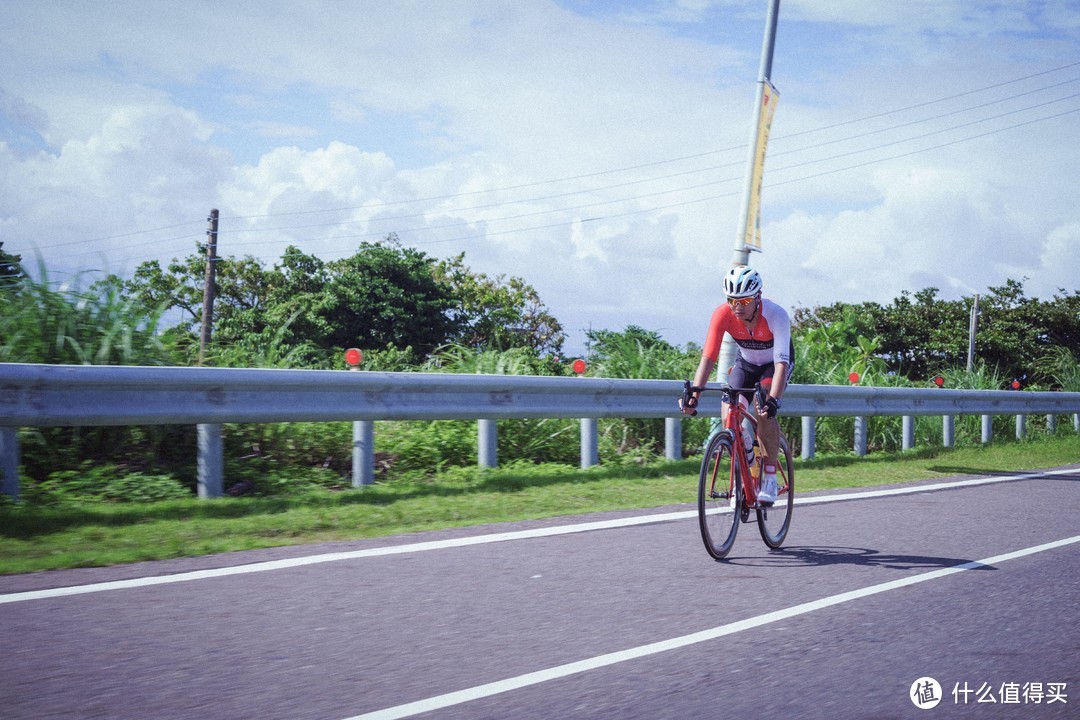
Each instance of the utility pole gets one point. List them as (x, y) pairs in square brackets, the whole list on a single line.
[(972, 327), (756, 158), (754, 169), (208, 286)]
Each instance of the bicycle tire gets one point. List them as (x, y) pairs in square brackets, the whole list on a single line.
[(774, 522), (720, 496)]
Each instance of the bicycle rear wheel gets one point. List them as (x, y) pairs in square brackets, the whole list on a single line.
[(774, 522), (719, 496)]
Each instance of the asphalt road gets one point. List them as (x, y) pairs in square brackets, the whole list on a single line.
[(622, 616)]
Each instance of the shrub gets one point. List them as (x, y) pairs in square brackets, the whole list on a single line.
[(106, 483)]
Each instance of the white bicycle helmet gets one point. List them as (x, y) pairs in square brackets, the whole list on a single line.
[(742, 281)]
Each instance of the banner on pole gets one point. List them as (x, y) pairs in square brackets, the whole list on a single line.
[(769, 98)]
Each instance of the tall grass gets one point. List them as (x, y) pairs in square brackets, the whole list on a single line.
[(83, 323), (539, 440), (41, 322), (1060, 370), (638, 354)]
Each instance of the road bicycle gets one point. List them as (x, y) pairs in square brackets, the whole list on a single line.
[(729, 483)]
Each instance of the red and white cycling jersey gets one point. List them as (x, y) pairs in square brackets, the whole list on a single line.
[(769, 343)]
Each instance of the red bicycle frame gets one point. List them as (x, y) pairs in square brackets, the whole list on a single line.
[(733, 424)]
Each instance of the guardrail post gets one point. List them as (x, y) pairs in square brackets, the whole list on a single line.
[(1021, 426), (487, 444), (1051, 424), (808, 437), (948, 430), (987, 429), (590, 453), (908, 441), (9, 462), (1076, 422), (211, 461), (860, 436), (673, 438), (363, 452)]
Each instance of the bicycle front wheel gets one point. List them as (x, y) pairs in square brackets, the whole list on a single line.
[(774, 522), (719, 496)]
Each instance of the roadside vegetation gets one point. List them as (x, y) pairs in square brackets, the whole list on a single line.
[(410, 312)]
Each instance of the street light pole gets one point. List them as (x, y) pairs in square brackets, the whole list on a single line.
[(742, 251), (972, 326), (741, 255)]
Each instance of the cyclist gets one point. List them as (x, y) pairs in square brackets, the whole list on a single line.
[(766, 354)]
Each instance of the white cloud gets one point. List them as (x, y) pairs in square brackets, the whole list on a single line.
[(1059, 261), (598, 153)]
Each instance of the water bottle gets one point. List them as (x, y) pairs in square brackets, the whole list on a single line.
[(748, 444)]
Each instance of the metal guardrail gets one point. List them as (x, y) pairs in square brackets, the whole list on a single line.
[(74, 395), (68, 395)]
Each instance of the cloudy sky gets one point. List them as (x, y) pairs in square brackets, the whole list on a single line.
[(596, 149)]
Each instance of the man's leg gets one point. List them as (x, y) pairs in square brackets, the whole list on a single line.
[(768, 431)]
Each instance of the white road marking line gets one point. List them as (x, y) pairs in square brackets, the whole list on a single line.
[(474, 540), (934, 486), (521, 681)]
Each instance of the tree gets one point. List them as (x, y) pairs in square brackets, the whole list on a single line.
[(241, 288), (498, 314), (828, 353), (386, 296), (920, 335), (10, 269), (639, 354), (382, 296)]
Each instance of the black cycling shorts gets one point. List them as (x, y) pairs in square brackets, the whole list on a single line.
[(745, 375)]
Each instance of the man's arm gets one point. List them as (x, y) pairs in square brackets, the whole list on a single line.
[(704, 371), (701, 377), (779, 381)]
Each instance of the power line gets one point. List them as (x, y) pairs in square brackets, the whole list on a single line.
[(680, 189), (684, 173), (666, 161), (710, 198), (922, 150), (711, 168), (641, 181), (934, 102)]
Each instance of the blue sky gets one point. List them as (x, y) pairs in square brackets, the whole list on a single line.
[(595, 149)]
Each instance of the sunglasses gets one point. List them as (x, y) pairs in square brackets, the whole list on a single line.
[(741, 302)]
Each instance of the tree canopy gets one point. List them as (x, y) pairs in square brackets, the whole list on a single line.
[(920, 334), (403, 307), (10, 268), (384, 295)]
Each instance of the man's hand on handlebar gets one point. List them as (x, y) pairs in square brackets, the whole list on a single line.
[(689, 400), (769, 408)]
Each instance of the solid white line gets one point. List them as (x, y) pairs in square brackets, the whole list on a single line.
[(472, 540), (338, 556), (515, 683), (932, 487)]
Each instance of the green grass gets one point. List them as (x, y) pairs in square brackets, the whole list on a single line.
[(34, 538)]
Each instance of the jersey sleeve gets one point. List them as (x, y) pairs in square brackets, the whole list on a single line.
[(718, 325), (780, 324)]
